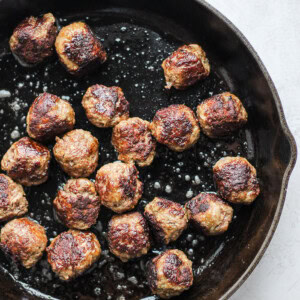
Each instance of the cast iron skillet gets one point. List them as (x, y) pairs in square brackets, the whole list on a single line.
[(138, 35)]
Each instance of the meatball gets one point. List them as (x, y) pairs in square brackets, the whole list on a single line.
[(77, 153), (78, 204), (73, 252), (133, 140), (27, 162), (169, 274), (236, 180), (105, 106), (78, 48), (167, 218), (176, 126), (118, 186), (221, 114), (210, 213), (25, 240), (185, 66), (48, 117), (33, 39), (128, 236)]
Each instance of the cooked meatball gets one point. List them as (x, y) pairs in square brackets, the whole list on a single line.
[(210, 213), (33, 39), (167, 218), (133, 140), (77, 153), (176, 126), (169, 274), (73, 252), (118, 186), (221, 115), (128, 236), (236, 180), (25, 240), (185, 66), (105, 106), (27, 162), (78, 48)]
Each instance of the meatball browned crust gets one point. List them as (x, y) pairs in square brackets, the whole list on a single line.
[(185, 66), (25, 240), (27, 162), (169, 274), (119, 186), (236, 180), (77, 153), (176, 126), (128, 236), (78, 48), (73, 252), (167, 218)]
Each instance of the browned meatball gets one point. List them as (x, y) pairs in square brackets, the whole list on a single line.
[(33, 39), (118, 186), (236, 180), (105, 106), (221, 114), (73, 252), (77, 153), (185, 66), (176, 126), (78, 48), (27, 162), (25, 240), (169, 274), (128, 236), (133, 140), (167, 218)]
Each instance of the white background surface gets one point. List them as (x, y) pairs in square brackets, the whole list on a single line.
[(273, 29)]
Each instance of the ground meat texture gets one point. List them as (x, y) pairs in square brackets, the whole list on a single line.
[(118, 186), (128, 236), (236, 180), (169, 274), (77, 153), (25, 240), (33, 39), (209, 213), (176, 127), (185, 66), (78, 48), (167, 218), (27, 162), (73, 252)]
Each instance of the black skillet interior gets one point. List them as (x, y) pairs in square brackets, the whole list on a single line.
[(138, 35)]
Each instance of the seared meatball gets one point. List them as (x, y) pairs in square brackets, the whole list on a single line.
[(167, 218), (176, 126), (48, 117), (118, 186), (33, 39), (210, 213), (236, 180), (78, 204), (169, 274), (128, 236), (105, 106), (221, 114), (25, 240), (133, 140), (77, 153), (78, 48), (73, 252), (185, 66), (27, 162)]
